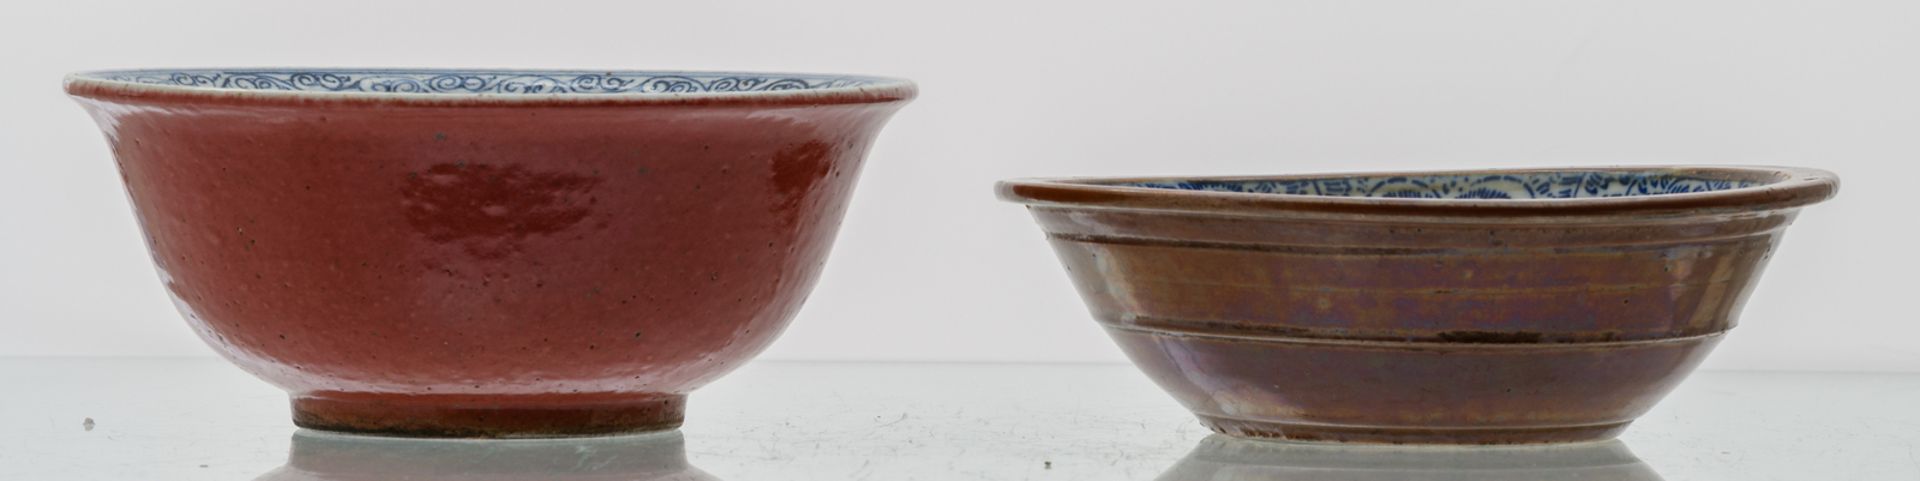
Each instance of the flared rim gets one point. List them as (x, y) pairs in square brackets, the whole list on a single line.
[(486, 86), (1772, 188)]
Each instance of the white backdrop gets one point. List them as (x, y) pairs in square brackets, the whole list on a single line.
[(930, 267)]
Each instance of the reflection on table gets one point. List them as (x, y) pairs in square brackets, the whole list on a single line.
[(1223, 458), (334, 457)]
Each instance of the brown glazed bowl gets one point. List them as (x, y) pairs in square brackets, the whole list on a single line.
[(1465, 307), (488, 253)]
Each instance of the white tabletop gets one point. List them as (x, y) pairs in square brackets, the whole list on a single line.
[(200, 419)]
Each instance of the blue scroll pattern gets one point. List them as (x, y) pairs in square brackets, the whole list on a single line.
[(1555, 185), (484, 82)]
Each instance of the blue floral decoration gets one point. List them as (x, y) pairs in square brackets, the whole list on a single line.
[(1555, 185), (483, 81)]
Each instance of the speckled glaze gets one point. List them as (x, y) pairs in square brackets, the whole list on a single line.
[(1418, 316), (487, 264)]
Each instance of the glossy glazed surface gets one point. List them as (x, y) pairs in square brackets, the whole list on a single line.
[(470, 266), (1417, 320)]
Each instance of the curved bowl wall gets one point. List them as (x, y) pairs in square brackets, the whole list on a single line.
[(1466, 307), (494, 261)]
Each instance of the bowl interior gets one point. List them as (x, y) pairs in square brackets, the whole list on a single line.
[(522, 82), (1556, 184)]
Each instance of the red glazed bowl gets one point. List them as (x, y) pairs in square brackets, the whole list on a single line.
[(1469, 307), (488, 253)]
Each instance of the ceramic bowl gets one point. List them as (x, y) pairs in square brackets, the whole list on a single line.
[(1475, 307), (492, 253)]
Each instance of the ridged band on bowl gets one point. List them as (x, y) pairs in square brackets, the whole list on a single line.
[(1779, 188), (1417, 320)]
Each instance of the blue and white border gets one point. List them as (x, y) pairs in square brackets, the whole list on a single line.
[(1554, 185), (483, 87), (482, 81)]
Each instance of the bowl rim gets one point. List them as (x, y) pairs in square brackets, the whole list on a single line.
[(93, 84), (1792, 187)]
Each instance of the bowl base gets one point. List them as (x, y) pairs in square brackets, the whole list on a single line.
[(489, 416), (1397, 435)]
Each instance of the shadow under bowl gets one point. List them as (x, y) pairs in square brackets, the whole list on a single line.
[(656, 456), (1223, 458), (1451, 307)]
